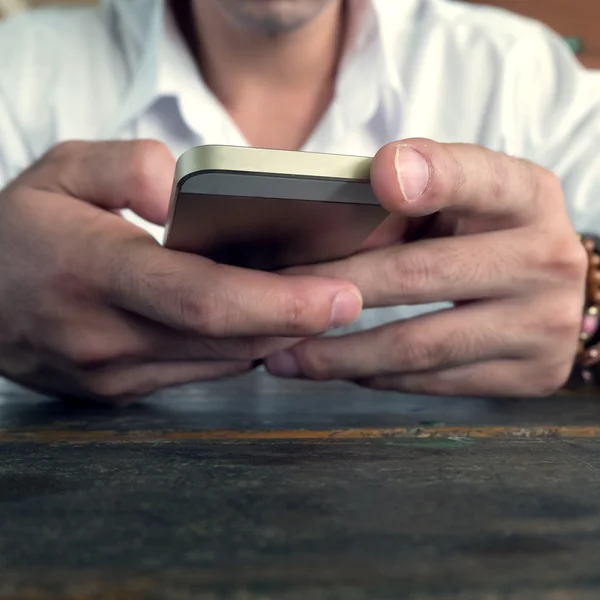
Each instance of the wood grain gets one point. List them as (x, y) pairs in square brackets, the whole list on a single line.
[(371, 520)]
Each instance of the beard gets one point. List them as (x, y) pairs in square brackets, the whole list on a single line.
[(272, 17)]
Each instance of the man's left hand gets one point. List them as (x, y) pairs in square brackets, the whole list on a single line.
[(499, 246)]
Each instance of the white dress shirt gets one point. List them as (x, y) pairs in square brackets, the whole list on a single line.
[(438, 69)]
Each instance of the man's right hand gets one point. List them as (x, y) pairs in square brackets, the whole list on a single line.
[(92, 307)]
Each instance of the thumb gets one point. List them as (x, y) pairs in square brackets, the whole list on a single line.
[(401, 175), (135, 175)]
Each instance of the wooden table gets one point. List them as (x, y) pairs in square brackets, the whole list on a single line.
[(301, 492)]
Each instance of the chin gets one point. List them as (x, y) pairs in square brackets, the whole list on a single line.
[(273, 17)]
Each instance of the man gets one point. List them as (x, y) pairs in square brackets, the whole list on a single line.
[(490, 295)]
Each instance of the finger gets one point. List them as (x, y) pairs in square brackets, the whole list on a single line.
[(83, 338), (499, 378), (193, 294), (171, 347), (419, 177), (122, 385), (480, 266), (441, 340), (135, 175), (498, 264), (140, 340), (394, 229)]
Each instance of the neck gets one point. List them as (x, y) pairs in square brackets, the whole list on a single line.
[(254, 75)]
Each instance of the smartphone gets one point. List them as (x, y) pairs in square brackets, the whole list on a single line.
[(270, 209)]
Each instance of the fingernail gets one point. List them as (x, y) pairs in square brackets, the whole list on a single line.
[(283, 364), (346, 308), (413, 172)]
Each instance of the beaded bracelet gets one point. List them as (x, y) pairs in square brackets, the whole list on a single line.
[(586, 369)]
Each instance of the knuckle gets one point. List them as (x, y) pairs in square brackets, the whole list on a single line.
[(295, 311), (86, 351), (316, 365), (458, 179), (548, 182), (203, 313), (566, 320), (58, 161), (506, 172), (105, 386), (439, 384), (415, 352), (415, 355), (569, 260), (497, 165), (147, 161), (410, 272), (61, 279), (540, 182), (572, 262), (63, 151), (548, 379), (564, 258)]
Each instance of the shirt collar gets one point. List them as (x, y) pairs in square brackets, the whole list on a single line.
[(137, 25), (370, 74), (369, 29), (370, 79)]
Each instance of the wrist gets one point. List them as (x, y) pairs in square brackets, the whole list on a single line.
[(586, 369)]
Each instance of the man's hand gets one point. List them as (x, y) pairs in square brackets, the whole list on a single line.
[(92, 307), (499, 246)]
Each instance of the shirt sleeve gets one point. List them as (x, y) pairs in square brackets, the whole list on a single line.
[(553, 119)]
